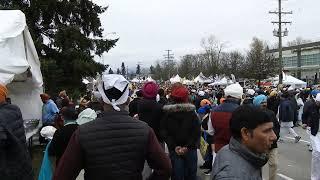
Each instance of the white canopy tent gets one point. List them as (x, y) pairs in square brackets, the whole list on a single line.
[(175, 79), (222, 82), (20, 67), (187, 82), (290, 80), (150, 79), (135, 80), (201, 79)]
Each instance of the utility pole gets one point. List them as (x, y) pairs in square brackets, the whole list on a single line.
[(169, 61), (278, 33)]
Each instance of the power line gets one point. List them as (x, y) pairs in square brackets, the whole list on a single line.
[(279, 33)]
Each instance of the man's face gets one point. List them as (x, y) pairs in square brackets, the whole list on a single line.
[(263, 105), (260, 139)]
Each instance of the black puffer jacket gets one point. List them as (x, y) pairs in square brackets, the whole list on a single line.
[(150, 111), (180, 126), (11, 117), (273, 104), (133, 106), (311, 116), (15, 162)]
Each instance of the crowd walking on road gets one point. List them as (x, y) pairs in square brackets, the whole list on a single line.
[(121, 129)]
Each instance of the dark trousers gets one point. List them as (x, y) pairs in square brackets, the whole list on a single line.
[(208, 158), (184, 167)]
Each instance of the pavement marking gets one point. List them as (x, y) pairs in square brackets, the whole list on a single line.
[(284, 176), (300, 140)]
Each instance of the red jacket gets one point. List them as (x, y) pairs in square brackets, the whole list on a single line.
[(220, 119)]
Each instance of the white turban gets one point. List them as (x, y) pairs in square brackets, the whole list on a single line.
[(110, 81), (234, 90)]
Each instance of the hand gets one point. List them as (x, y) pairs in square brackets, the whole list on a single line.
[(184, 150), (178, 150)]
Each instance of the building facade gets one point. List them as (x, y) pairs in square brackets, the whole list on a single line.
[(301, 61)]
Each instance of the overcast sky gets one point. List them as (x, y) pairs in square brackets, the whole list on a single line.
[(148, 27)]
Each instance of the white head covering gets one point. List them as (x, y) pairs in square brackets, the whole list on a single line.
[(86, 115), (48, 132), (318, 97), (201, 93), (234, 90), (117, 81), (251, 92), (290, 88)]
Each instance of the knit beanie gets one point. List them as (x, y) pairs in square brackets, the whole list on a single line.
[(234, 90), (150, 90), (179, 94), (259, 99)]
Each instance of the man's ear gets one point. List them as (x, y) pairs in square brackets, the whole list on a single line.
[(245, 134)]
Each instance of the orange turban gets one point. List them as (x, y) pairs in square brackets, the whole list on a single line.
[(3, 93)]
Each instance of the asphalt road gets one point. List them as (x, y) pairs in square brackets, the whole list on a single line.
[(294, 159)]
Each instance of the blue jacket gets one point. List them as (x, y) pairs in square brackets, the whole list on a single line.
[(49, 112)]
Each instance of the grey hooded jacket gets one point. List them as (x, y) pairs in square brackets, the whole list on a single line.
[(236, 162)]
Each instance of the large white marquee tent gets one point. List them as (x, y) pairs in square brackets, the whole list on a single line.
[(20, 65)]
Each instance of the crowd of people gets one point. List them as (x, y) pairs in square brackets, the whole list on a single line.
[(123, 129)]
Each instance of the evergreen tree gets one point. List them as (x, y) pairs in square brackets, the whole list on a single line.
[(138, 70), (110, 71), (118, 71), (152, 70), (123, 69), (67, 36)]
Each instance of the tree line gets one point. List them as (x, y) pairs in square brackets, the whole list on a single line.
[(213, 60)]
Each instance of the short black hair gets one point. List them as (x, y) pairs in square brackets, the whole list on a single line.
[(161, 92), (139, 93), (285, 94), (247, 116), (114, 93), (69, 113)]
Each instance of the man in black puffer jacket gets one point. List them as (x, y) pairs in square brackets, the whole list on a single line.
[(114, 146), (149, 110), (15, 162), (180, 128)]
